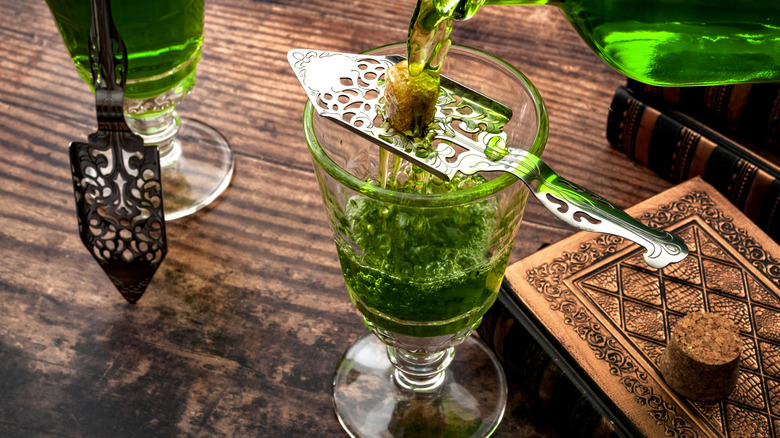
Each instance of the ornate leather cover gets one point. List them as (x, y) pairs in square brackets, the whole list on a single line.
[(613, 314)]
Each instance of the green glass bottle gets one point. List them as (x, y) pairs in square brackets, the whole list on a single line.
[(658, 42)]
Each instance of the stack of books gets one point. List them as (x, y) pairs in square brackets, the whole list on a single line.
[(727, 135), (582, 322)]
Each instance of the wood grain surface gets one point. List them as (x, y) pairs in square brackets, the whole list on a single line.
[(243, 325)]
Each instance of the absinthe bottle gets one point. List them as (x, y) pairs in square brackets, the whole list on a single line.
[(658, 42)]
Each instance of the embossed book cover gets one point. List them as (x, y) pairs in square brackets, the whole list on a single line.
[(609, 315)]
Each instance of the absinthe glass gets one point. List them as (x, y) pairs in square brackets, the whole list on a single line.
[(423, 268), (164, 43)]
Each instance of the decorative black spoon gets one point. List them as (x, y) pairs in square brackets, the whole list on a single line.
[(116, 179)]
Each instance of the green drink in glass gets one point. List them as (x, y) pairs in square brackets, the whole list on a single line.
[(163, 47), (424, 272), (164, 42), (423, 260)]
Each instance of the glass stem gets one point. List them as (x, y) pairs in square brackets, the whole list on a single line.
[(158, 129), (420, 372)]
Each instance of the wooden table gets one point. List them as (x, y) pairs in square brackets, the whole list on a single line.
[(243, 325)]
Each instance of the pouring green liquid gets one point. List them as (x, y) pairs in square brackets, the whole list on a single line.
[(422, 272), (659, 42)]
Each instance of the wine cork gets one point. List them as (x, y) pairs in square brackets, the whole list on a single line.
[(410, 103), (701, 361)]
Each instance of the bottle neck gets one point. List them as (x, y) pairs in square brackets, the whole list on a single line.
[(431, 24), (467, 8)]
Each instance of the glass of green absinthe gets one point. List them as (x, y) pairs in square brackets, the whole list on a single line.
[(164, 40), (423, 260)]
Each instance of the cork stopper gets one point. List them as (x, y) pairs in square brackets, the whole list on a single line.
[(410, 103), (701, 361)]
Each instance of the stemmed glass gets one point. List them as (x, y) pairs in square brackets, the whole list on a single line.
[(423, 260), (163, 40)]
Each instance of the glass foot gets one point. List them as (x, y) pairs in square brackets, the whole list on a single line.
[(368, 403), (196, 168)]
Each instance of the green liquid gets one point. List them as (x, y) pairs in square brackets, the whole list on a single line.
[(163, 40), (421, 272), (695, 42), (660, 42)]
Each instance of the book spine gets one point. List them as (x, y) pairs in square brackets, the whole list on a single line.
[(678, 148), (747, 112), (527, 364)]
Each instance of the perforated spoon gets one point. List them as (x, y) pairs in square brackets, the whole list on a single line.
[(116, 179), (348, 89)]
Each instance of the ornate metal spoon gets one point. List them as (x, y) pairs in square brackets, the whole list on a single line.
[(116, 179), (348, 88)]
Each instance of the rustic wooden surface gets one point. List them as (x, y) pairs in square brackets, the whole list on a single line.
[(244, 323)]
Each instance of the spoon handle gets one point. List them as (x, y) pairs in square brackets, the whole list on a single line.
[(584, 209)]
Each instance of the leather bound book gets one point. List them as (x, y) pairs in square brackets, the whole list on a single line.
[(749, 113), (678, 147), (590, 306)]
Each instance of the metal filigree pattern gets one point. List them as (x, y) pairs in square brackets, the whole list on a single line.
[(631, 324), (118, 193), (348, 88), (116, 180)]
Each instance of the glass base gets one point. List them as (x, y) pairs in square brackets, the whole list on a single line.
[(196, 168), (368, 403)]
